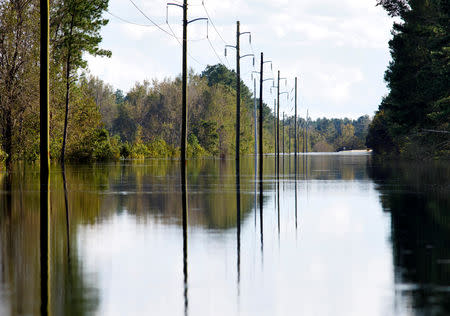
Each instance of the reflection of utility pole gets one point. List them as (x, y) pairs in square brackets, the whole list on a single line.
[(44, 157), (184, 133)]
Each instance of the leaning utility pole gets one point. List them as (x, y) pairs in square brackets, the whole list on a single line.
[(44, 155)]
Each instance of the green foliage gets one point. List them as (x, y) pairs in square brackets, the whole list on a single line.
[(418, 79), (125, 150), (207, 135), (95, 146), (105, 148), (76, 29), (2, 156), (194, 149)]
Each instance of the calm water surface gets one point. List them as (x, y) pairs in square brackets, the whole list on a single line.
[(346, 236)]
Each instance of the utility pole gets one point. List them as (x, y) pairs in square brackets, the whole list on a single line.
[(275, 131), (307, 127), (183, 154), (278, 120), (295, 129), (238, 82), (289, 145), (261, 120), (255, 120), (238, 93), (44, 156), (184, 132), (289, 137), (184, 96), (283, 141), (278, 125), (275, 128), (184, 93)]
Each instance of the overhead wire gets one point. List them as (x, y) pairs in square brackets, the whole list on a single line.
[(218, 33), (212, 23), (214, 50), (179, 42), (153, 22)]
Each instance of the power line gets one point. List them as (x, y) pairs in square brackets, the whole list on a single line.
[(127, 21), (151, 25), (154, 23), (214, 50), (179, 42), (214, 25)]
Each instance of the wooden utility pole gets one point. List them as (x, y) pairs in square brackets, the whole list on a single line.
[(44, 156), (183, 154), (295, 129), (289, 137), (184, 91), (306, 133), (255, 115), (238, 92), (261, 120), (283, 141), (275, 130), (278, 125)]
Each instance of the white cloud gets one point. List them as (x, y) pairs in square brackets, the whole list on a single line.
[(339, 49)]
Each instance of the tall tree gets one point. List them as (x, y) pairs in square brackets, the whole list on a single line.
[(18, 53), (418, 80), (76, 26)]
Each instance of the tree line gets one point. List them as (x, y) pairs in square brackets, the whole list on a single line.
[(413, 120), (92, 121)]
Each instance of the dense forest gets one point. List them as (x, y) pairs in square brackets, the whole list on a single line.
[(413, 120), (92, 121)]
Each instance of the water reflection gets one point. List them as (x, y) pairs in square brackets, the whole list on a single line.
[(118, 242), (417, 198), (184, 201)]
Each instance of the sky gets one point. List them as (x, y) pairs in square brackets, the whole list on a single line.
[(338, 49)]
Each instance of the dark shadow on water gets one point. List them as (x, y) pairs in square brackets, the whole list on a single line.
[(417, 198)]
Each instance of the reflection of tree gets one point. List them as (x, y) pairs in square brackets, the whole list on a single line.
[(72, 294), (418, 200), (153, 189)]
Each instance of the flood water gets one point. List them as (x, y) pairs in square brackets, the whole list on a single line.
[(345, 236)]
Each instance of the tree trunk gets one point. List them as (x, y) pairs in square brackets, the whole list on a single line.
[(66, 117)]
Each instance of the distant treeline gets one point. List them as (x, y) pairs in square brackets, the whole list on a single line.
[(413, 120), (92, 121)]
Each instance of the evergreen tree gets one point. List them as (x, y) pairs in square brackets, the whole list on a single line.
[(76, 25)]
